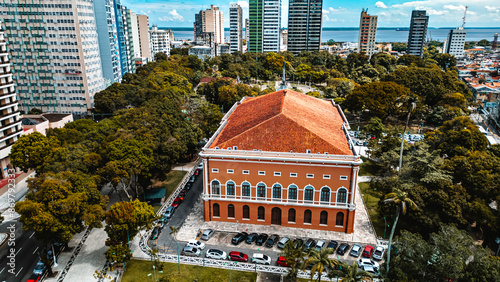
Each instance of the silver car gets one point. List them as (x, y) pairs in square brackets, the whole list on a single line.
[(169, 212), (216, 254), (379, 253), (207, 234), (355, 251), (191, 251)]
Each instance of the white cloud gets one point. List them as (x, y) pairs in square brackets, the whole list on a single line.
[(434, 12), (492, 9), (325, 12), (411, 4), (173, 16), (454, 7), (380, 4), (243, 4), (333, 10)]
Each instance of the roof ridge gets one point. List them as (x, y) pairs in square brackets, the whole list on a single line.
[(281, 113)]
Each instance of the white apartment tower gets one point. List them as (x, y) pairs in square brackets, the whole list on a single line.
[(271, 26), (367, 33), (55, 53), (160, 41), (455, 42), (10, 121), (236, 27)]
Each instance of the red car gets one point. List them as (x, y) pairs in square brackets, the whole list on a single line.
[(368, 251), (34, 278), (237, 256), (281, 261), (182, 193), (176, 203), (196, 172), (181, 198)]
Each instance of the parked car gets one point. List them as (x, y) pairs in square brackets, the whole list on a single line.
[(192, 179), (355, 251), (176, 203), (207, 234), (332, 245), (181, 198), (320, 245), (261, 259), (372, 270), (216, 254), (379, 253), (183, 193), (169, 212), (196, 244), (191, 251), (238, 238), (251, 238), (283, 242), (39, 268), (200, 166), (368, 251), (196, 172), (309, 244), (272, 241), (343, 248), (162, 222), (238, 256), (359, 143), (367, 262), (261, 239), (34, 278), (188, 186), (281, 261), (155, 233), (297, 243)]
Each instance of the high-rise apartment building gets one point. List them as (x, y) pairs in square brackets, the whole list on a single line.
[(209, 26), (128, 39), (246, 30), (55, 55), (10, 127), (264, 25), (160, 41), (236, 28), (455, 42), (108, 40), (304, 25), (144, 42), (418, 32), (367, 33)]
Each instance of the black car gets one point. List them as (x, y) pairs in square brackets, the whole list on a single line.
[(309, 244), (155, 233), (272, 240), (333, 245), (251, 237), (261, 239), (240, 237), (297, 243), (343, 248)]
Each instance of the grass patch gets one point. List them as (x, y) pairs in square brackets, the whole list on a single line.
[(138, 270), (368, 167), (174, 177), (371, 200)]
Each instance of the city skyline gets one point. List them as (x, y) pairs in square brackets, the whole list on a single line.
[(392, 13)]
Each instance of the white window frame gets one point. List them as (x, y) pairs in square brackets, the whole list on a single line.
[(310, 175), (245, 172), (326, 176), (215, 170), (262, 173), (277, 173), (344, 177), (293, 174), (230, 171)]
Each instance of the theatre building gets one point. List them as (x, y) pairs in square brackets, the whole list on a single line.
[(284, 158)]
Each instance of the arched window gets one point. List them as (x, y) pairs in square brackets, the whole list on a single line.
[(291, 215), (292, 192), (340, 219), (245, 189), (307, 216), (230, 210), (216, 210), (325, 194), (246, 212), (215, 187), (261, 213), (342, 195), (309, 193), (323, 218), (261, 190), (276, 191), (230, 188)]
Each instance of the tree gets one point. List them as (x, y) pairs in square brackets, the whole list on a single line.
[(375, 127), (30, 151), (483, 42), (356, 59), (35, 111), (351, 273), (294, 257), (401, 200), (320, 261), (445, 61), (208, 117), (118, 254)]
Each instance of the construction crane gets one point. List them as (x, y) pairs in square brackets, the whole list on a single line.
[(463, 19)]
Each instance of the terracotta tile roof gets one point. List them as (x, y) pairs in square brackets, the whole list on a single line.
[(285, 121)]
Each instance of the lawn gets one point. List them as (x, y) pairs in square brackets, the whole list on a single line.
[(173, 179), (138, 270), (371, 201)]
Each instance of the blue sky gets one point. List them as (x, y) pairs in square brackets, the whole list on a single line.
[(392, 13)]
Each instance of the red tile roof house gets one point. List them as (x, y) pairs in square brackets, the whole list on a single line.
[(284, 158)]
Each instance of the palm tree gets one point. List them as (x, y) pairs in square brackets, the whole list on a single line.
[(294, 256), (401, 200), (320, 261), (353, 274)]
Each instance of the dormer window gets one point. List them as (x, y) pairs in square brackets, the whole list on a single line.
[(308, 151)]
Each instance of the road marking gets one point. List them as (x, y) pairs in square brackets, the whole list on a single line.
[(2, 270), (19, 271), (35, 250), (32, 234), (19, 250)]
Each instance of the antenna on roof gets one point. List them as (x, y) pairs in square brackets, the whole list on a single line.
[(463, 19)]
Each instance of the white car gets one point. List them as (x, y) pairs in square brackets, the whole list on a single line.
[(367, 262), (320, 245), (371, 269), (216, 254), (200, 166), (261, 259), (196, 244), (379, 253)]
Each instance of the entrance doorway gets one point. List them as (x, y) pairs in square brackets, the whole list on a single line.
[(276, 216)]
